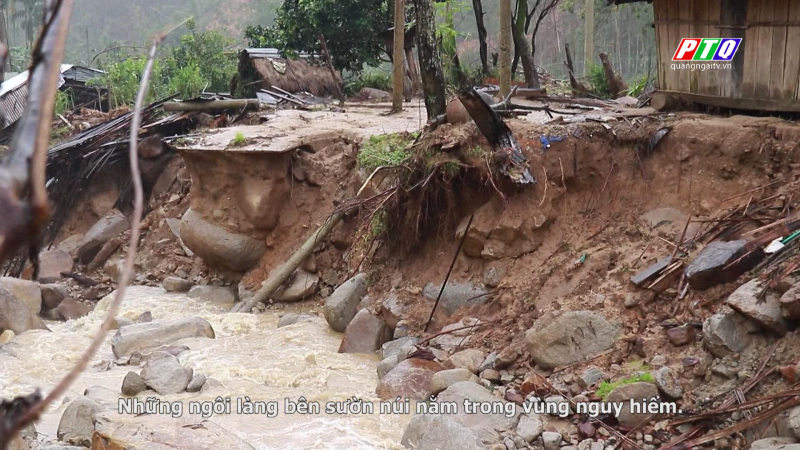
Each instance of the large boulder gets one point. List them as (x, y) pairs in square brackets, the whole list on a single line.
[(401, 347), (293, 318), (52, 263), (366, 333), (446, 378), (726, 332), (155, 432), (709, 268), (411, 378), (302, 286), (790, 303), (441, 432), (262, 200), (485, 426), (765, 311), (101, 232), (219, 247), (26, 291), (70, 309), (133, 384), (341, 306), (15, 315), (176, 284), (469, 359), (569, 338), (636, 392), (53, 295), (456, 295), (77, 423), (164, 374), (150, 335), (218, 295), (393, 310)]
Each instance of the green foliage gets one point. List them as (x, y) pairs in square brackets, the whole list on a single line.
[(606, 387), (378, 225), (598, 81), (122, 81), (369, 78), (637, 86), (384, 150), (20, 59), (352, 28), (201, 58), (63, 103), (238, 140)]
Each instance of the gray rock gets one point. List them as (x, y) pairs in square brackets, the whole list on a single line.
[(400, 347), (591, 376), (15, 315), (159, 432), (427, 431), (340, 307), (101, 232), (551, 440), (26, 291), (366, 333), (624, 394), (52, 263), (143, 336), (77, 423), (219, 247), (107, 398), (456, 295), (775, 443), (164, 374), (393, 310), (708, 268), (387, 364), (219, 295), (766, 312), (411, 378), (790, 303), (569, 338), (491, 375), (402, 330), (486, 426), (70, 309), (302, 286), (667, 383), (493, 276), (293, 318), (530, 427), (794, 422), (198, 380), (726, 332), (133, 384), (53, 294), (175, 284), (455, 335), (469, 359), (446, 378), (61, 447)]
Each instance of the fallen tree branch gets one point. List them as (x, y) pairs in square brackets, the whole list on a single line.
[(282, 273)]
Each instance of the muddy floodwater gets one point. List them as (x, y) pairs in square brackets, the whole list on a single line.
[(250, 357)]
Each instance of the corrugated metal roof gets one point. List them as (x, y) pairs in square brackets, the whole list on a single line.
[(14, 91), (270, 53)]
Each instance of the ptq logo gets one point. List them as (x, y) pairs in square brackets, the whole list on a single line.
[(707, 49)]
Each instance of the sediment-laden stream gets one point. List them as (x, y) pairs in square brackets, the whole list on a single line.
[(250, 357)]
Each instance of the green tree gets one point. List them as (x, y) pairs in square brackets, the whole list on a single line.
[(353, 30), (202, 55)]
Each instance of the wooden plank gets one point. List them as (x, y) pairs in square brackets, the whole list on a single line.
[(712, 85), (791, 66), (696, 7), (662, 38), (701, 9), (685, 31), (768, 105), (779, 34), (764, 57), (674, 41), (751, 50)]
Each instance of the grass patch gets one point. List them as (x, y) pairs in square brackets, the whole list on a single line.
[(598, 81), (239, 139), (606, 387), (384, 150)]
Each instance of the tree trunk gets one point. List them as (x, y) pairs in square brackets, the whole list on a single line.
[(588, 43), (505, 47), (520, 26), (477, 6), (526, 54), (399, 55), (429, 61), (615, 83)]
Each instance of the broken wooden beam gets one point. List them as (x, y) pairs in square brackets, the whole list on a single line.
[(212, 105), (651, 273)]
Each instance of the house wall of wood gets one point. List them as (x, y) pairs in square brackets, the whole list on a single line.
[(765, 72)]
